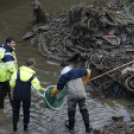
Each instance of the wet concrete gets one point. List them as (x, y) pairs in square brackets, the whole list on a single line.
[(15, 22)]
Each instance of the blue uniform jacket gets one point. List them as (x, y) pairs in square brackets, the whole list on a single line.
[(72, 74), (7, 57)]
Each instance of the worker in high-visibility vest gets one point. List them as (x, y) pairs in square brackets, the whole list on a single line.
[(21, 82), (8, 65)]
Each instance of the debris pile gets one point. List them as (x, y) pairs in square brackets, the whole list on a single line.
[(116, 128), (102, 35)]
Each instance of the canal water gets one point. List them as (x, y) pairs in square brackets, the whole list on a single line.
[(16, 19)]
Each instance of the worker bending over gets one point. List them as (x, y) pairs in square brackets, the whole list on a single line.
[(72, 78)]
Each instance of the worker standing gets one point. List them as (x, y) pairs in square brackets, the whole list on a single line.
[(21, 82), (8, 65), (72, 78)]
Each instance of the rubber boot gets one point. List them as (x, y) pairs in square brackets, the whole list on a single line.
[(15, 128), (70, 124), (88, 128), (25, 127), (3, 94), (85, 116)]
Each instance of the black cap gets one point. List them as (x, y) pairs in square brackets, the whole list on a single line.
[(64, 64)]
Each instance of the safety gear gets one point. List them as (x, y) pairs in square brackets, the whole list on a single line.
[(8, 62), (88, 129), (54, 92), (71, 116), (68, 74), (85, 116), (25, 127), (85, 78), (68, 125), (21, 81), (3, 94), (73, 80), (75, 88), (2, 53), (73, 100), (14, 127), (22, 88), (25, 75), (76, 93)]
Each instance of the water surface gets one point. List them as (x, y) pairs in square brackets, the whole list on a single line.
[(16, 21)]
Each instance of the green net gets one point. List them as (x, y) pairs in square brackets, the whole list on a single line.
[(57, 101)]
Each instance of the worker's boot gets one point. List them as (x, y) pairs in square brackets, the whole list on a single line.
[(70, 124), (3, 94), (25, 127), (88, 128), (85, 116), (14, 127)]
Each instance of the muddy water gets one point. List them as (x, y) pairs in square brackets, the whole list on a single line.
[(15, 22)]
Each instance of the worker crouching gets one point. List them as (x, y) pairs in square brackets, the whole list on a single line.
[(72, 78), (21, 82)]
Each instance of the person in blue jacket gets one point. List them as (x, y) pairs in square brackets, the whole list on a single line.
[(72, 78), (8, 65), (21, 82)]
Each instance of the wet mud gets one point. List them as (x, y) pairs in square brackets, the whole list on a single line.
[(15, 22)]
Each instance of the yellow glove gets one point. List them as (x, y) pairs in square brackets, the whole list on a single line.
[(86, 77), (54, 92)]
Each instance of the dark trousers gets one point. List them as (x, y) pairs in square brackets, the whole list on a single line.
[(72, 102), (26, 108), (4, 90)]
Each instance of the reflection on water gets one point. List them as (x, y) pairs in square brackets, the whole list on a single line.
[(15, 22)]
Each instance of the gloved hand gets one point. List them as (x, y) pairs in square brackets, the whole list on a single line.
[(54, 92), (86, 77)]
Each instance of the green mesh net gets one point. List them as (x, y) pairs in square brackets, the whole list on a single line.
[(57, 101)]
